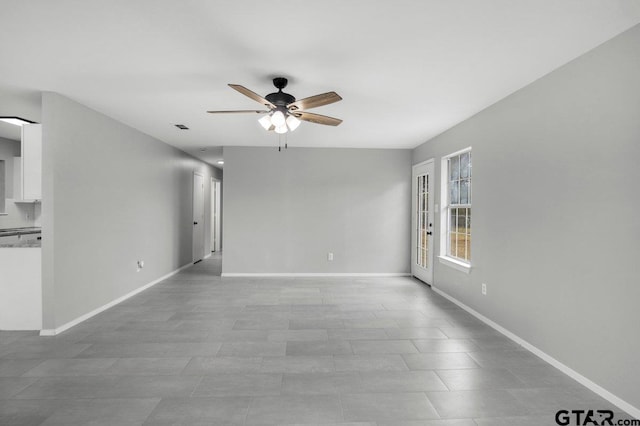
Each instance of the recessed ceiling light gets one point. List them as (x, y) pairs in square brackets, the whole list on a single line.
[(220, 161), (17, 121), (182, 127)]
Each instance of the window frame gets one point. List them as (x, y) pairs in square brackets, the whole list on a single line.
[(445, 214)]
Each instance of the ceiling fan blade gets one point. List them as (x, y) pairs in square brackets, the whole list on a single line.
[(255, 111), (315, 101), (317, 118), (252, 95)]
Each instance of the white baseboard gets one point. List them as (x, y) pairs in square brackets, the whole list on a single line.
[(207, 256), (312, 274), (64, 327), (623, 405)]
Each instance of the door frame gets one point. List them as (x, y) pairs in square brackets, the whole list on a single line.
[(216, 211), (417, 271), (197, 256)]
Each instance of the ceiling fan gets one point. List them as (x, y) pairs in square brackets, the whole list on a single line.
[(285, 112)]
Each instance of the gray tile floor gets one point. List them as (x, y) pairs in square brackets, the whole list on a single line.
[(200, 350)]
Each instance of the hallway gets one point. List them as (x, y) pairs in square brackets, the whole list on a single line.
[(200, 350)]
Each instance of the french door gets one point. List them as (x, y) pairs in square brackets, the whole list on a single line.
[(422, 220)]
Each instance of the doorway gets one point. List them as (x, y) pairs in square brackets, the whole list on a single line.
[(422, 219), (216, 237), (198, 217)]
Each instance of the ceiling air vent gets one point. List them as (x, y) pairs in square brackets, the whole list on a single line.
[(182, 127)]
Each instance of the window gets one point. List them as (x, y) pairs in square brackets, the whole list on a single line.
[(455, 243)]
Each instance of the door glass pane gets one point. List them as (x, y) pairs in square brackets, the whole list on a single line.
[(425, 241), (426, 252), (419, 226), (422, 218)]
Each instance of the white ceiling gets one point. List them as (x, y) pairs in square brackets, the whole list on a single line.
[(407, 69)]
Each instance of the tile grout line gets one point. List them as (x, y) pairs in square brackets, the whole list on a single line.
[(196, 386)]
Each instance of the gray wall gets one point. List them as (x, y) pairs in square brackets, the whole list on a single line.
[(555, 214), (284, 211), (111, 196)]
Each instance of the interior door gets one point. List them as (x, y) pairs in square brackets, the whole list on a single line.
[(198, 217), (218, 227), (422, 221), (215, 215)]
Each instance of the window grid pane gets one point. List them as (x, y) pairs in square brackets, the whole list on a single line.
[(464, 165), (454, 168)]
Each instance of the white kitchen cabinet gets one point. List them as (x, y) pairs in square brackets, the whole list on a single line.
[(31, 162)]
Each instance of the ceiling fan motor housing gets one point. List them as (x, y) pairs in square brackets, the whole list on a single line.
[(280, 98)]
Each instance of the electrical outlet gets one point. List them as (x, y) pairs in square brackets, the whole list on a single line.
[(330, 257), (484, 289)]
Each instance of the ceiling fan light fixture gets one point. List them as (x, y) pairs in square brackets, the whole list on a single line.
[(278, 119), (292, 122), (265, 122), (281, 129)]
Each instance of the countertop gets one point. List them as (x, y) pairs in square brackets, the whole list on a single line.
[(20, 231)]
